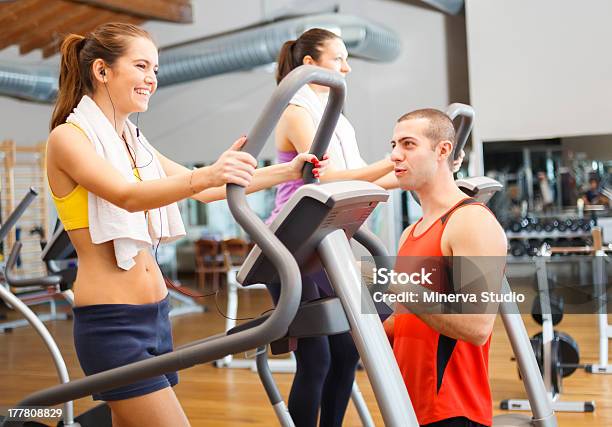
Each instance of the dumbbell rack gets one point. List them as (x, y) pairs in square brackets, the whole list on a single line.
[(548, 338), (543, 229)]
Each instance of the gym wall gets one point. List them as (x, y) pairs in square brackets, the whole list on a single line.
[(540, 69)]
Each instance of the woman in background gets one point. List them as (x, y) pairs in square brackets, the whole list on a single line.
[(325, 365)]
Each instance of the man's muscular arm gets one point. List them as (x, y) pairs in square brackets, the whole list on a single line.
[(471, 232)]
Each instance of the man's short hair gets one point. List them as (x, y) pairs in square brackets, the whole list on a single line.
[(440, 127)]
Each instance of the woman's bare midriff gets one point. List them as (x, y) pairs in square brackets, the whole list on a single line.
[(100, 281)]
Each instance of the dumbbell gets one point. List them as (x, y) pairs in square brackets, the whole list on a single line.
[(574, 225), (515, 226), (517, 248), (585, 225), (533, 246), (526, 225), (549, 225), (538, 225)]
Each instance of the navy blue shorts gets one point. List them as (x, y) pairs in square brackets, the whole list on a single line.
[(107, 336)]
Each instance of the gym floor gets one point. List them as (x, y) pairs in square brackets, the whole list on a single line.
[(224, 397)]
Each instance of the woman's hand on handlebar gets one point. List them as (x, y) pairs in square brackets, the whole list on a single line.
[(233, 167), (297, 164)]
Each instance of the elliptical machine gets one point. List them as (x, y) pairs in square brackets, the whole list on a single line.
[(312, 253), (98, 416)]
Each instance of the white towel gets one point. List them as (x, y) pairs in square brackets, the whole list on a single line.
[(343, 150), (129, 232)]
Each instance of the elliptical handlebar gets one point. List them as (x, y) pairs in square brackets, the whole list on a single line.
[(277, 253), (12, 259), (373, 244), (42, 281), (16, 214), (280, 98), (465, 125), (378, 251)]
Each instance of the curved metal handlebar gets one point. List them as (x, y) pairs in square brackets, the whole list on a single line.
[(280, 99), (465, 126), (12, 259), (16, 214), (42, 281), (378, 251), (276, 252)]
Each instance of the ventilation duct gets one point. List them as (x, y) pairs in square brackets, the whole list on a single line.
[(452, 7), (238, 50), (257, 46), (34, 83)]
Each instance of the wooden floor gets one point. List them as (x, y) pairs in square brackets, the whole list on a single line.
[(222, 397)]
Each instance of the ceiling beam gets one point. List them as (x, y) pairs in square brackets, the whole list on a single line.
[(62, 24), (9, 13), (23, 26), (53, 45), (161, 10)]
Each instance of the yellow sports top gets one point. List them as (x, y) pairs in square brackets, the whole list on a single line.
[(72, 208)]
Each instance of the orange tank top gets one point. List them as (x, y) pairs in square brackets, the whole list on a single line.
[(445, 377)]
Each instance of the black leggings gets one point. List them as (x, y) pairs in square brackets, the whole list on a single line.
[(325, 372), (455, 422)]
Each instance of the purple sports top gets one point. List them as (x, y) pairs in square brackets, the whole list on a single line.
[(286, 189)]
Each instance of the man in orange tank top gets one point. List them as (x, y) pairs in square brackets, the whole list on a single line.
[(443, 357)]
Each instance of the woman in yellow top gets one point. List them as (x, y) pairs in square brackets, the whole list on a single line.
[(121, 315)]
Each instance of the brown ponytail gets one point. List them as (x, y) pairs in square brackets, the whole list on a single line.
[(293, 52), (70, 81), (107, 42), (285, 62)]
